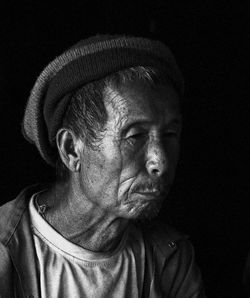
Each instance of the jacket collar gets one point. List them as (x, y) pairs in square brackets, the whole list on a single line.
[(11, 213), (17, 237)]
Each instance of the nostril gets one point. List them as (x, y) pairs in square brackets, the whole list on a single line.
[(155, 171)]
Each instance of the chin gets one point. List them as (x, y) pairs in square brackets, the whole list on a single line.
[(150, 213), (144, 211)]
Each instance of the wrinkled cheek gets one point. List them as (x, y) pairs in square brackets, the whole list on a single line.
[(130, 172), (124, 189), (112, 187), (98, 175), (132, 168)]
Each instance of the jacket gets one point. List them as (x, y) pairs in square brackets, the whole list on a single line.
[(170, 267)]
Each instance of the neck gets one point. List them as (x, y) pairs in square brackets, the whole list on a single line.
[(81, 221)]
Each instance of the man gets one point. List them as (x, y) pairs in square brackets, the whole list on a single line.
[(106, 114)]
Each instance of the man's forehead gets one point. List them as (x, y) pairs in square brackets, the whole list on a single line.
[(139, 100)]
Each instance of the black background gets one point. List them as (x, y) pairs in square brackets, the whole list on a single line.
[(209, 200)]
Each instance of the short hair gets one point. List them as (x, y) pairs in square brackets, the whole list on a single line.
[(86, 114)]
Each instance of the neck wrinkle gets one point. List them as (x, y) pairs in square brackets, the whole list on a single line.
[(82, 224)]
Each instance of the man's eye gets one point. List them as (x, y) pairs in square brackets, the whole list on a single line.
[(136, 136)]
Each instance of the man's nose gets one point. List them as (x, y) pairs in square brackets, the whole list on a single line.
[(156, 158)]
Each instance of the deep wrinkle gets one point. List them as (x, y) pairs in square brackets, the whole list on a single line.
[(117, 103)]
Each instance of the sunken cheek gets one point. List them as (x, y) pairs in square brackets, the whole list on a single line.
[(132, 162)]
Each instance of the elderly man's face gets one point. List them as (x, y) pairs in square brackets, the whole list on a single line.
[(130, 172)]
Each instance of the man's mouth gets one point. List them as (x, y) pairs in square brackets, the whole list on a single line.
[(147, 192), (148, 195)]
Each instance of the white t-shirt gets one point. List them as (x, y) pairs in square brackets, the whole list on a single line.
[(68, 270)]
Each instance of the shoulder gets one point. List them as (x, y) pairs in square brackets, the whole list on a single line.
[(162, 236), (164, 243), (11, 213), (174, 255), (167, 243)]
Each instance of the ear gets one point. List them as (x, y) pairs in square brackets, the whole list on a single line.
[(68, 148)]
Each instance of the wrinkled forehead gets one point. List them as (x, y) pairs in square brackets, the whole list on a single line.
[(139, 99)]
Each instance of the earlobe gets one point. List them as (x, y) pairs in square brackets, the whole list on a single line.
[(78, 166), (68, 149)]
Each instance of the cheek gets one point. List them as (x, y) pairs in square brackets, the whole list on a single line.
[(131, 169), (101, 174), (127, 181)]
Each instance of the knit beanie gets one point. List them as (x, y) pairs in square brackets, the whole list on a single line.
[(89, 60)]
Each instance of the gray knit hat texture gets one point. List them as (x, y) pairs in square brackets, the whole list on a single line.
[(89, 60)]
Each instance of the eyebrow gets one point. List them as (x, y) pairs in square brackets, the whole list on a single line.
[(175, 121)]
